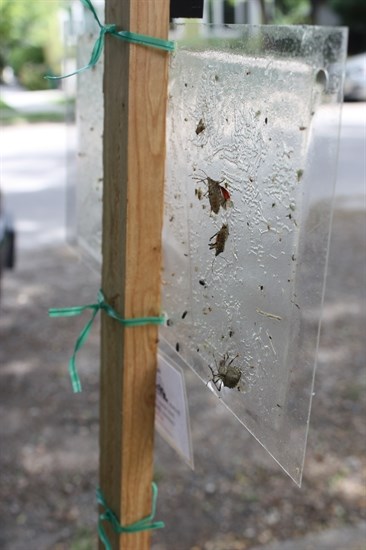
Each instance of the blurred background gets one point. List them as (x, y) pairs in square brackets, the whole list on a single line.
[(49, 438)]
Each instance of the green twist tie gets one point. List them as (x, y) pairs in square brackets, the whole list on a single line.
[(144, 524), (127, 36), (84, 334)]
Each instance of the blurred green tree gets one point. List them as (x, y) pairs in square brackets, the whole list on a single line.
[(29, 36), (292, 12)]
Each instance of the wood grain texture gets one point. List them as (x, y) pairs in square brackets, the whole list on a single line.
[(135, 95)]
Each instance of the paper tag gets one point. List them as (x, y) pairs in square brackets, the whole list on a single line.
[(171, 415)]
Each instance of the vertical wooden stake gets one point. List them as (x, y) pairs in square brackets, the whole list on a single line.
[(135, 95)]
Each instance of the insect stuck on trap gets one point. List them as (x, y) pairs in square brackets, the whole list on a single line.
[(218, 195), (227, 374), (221, 237), (201, 126)]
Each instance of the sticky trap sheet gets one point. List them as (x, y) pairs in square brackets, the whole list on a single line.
[(252, 132)]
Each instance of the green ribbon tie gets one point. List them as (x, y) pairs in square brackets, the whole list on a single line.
[(144, 524), (127, 36), (84, 334)]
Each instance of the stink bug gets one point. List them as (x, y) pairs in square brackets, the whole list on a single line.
[(218, 195), (221, 238), (227, 374)]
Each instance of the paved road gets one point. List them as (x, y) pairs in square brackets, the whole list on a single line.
[(351, 181), (34, 180), (36, 165)]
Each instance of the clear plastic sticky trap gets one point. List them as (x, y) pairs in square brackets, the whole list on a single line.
[(89, 176), (252, 143)]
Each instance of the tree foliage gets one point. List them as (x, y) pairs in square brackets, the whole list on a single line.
[(25, 24), (292, 12)]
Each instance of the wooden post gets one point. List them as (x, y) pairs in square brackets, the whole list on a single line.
[(135, 95)]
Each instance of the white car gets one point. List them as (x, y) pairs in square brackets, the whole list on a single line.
[(355, 81)]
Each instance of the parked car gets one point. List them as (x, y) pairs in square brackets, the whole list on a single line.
[(7, 240), (355, 81)]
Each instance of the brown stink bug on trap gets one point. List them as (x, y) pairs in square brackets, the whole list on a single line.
[(218, 195), (221, 238), (201, 126), (227, 374)]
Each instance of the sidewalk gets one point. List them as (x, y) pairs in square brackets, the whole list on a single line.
[(26, 102), (349, 538)]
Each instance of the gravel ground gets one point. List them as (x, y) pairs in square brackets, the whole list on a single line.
[(237, 498)]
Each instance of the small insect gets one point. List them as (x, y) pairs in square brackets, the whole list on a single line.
[(218, 195), (299, 174), (161, 392), (199, 193), (201, 126), (221, 238), (227, 374)]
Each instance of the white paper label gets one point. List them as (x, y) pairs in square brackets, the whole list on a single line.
[(171, 415)]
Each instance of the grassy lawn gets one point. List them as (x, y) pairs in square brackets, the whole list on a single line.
[(9, 115)]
